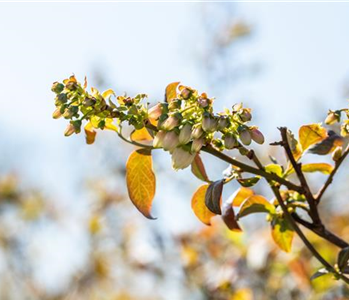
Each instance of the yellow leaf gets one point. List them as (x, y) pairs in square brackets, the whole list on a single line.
[(199, 207), (311, 134), (90, 133), (141, 135), (241, 195), (110, 125), (274, 168), (171, 91), (140, 180), (108, 93), (256, 204), (282, 234), (315, 167)]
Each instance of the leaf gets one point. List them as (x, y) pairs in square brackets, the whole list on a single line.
[(213, 196), (240, 196), (110, 125), (256, 204), (343, 257), (282, 233), (228, 215), (140, 180), (274, 168), (198, 169), (141, 135), (294, 145), (319, 273), (311, 134), (171, 91), (90, 133), (315, 167), (199, 207), (248, 182), (108, 93)]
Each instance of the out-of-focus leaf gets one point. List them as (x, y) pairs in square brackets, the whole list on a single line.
[(343, 257), (282, 233), (108, 93), (228, 215), (319, 273), (171, 91), (141, 135), (198, 169), (90, 133), (248, 182), (110, 125), (213, 196), (256, 204), (274, 168), (140, 180), (311, 134), (240, 196), (327, 145), (315, 167), (199, 207), (295, 146)]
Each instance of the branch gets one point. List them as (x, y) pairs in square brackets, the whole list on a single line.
[(314, 214), (306, 242), (250, 169), (330, 177)]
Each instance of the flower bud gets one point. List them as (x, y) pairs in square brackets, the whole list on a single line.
[(89, 102), (209, 124), (57, 87), (170, 141), (186, 93), (245, 137), (245, 114), (155, 112), (181, 159), (196, 132), (332, 117), (172, 121), (345, 128), (223, 122), (230, 141), (71, 86), (257, 136), (185, 134), (236, 107), (158, 139), (337, 153), (61, 99), (57, 113), (203, 102), (197, 145), (69, 130), (174, 104)]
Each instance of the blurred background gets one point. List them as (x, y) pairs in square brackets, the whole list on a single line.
[(67, 228)]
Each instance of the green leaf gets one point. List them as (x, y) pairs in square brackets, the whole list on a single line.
[(343, 257), (248, 182), (198, 169), (213, 196), (275, 169), (256, 204), (282, 233)]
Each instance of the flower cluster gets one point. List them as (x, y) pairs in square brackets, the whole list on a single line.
[(182, 124), (335, 117)]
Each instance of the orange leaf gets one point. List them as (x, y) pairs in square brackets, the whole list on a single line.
[(140, 180), (199, 207), (311, 134), (240, 196), (141, 135), (171, 91)]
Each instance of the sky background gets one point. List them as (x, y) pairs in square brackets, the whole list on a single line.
[(302, 51)]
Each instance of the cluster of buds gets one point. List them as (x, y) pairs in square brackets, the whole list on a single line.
[(335, 117), (187, 122), (182, 124)]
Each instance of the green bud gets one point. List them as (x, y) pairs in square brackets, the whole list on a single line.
[(170, 141), (61, 99), (185, 134), (71, 86), (174, 104), (245, 137), (181, 159), (337, 153), (57, 87)]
